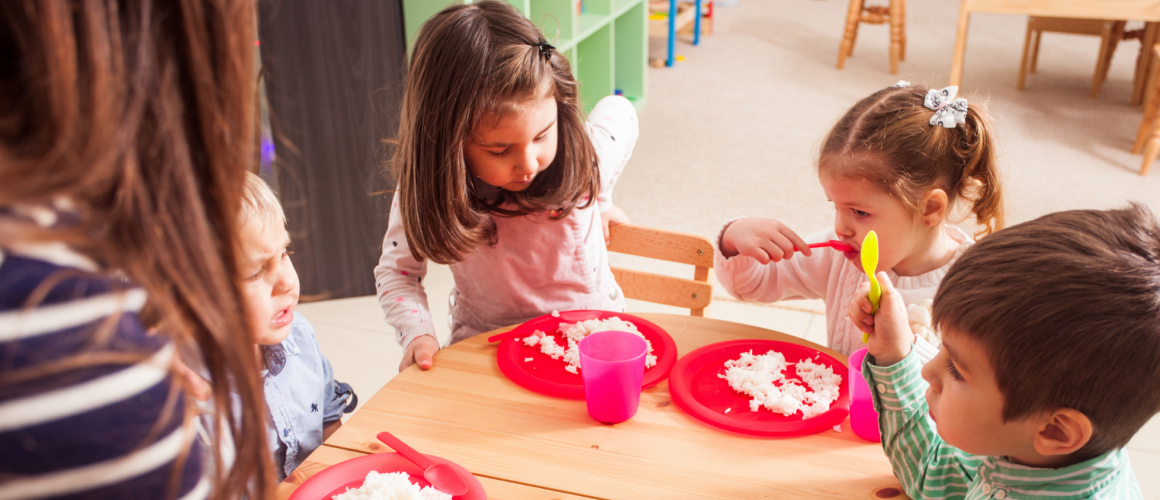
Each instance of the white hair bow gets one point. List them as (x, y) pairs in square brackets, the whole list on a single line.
[(948, 111)]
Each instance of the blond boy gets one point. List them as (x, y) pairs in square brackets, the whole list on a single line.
[(305, 402)]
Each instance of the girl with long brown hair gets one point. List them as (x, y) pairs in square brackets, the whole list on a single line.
[(125, 132), (899, 163), (500, 178)]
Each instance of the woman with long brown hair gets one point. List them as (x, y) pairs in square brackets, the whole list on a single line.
[(501, 177), (125, 131)]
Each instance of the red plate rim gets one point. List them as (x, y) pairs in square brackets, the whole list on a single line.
[(336, 476), (510, 353), (691, 363)]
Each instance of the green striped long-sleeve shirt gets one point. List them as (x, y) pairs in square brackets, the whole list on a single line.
[(927, 467)]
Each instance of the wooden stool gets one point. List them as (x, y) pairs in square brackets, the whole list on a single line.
[(1110, 33), (1148, 135), (895, 14)]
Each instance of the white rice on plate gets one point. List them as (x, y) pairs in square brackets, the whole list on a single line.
[(574, 332), (762, 377), (391, 486)]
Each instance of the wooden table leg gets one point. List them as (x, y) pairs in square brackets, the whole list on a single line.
[(961, 43), (1023, 62), (1144, 62), (1146, 125)]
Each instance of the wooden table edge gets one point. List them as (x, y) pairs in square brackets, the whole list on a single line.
[(968, 7)]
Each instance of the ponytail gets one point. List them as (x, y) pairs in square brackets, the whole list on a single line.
[(979, 184), (912, 156)]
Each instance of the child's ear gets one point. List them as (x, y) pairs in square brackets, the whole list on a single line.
[(1064, 432), (934, 207)]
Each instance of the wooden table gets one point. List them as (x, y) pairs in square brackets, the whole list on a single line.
[(1116, 10), (525, 446)]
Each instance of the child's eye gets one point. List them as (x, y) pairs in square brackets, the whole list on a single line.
[(500, 154), (859, 213), (954, 371), (254, 277), (542, 138), (286, 254)]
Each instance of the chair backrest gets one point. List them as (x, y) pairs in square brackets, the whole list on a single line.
[(681, 248)]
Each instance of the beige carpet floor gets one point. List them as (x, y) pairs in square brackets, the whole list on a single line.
[(734, 129)]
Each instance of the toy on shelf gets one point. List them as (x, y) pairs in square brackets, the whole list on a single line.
[(667, 18)]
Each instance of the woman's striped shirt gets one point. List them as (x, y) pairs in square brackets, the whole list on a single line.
[(88, 408)]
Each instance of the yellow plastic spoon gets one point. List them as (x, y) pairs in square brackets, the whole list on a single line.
[(869, 253)]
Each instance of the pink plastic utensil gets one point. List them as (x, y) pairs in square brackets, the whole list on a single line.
[(835, 244), (441, 476), (863, 417)]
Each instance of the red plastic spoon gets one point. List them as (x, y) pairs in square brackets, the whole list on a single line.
[(835, 244), (441, 476)]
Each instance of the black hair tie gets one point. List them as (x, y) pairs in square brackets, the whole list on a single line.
[(546, 49)]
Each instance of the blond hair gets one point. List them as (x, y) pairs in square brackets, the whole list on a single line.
[(887, 139), (259, 202)]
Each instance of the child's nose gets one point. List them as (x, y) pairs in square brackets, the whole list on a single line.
[(287, 280), (842, 228), (529, 164), (929, 375)]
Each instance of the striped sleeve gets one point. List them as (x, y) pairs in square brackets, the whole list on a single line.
[(90, 409), (926, 466)]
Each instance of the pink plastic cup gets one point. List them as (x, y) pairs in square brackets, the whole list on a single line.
[(612, 366), (863, 417)]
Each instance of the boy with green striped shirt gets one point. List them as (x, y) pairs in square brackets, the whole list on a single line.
[(1050, 363)]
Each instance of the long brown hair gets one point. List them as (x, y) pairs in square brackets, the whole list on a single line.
[(471, 62), (140, 113), (909, 156)]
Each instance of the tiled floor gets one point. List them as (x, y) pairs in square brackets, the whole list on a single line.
[(354, 336)]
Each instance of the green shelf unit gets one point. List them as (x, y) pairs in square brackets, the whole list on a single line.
[(607, 43)]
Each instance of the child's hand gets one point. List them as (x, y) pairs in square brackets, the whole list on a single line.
[(889, 327), (611, 218), (766, 240), (420, 351)]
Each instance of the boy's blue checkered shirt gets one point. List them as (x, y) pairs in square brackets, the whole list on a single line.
[(302, 396)]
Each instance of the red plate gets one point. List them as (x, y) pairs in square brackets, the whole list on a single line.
[(350, 474), (698, 390), (547, 376)]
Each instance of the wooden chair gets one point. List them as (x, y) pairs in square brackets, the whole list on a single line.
[(681, 248), (1110, 33), (1148, 135), (894, 13)]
